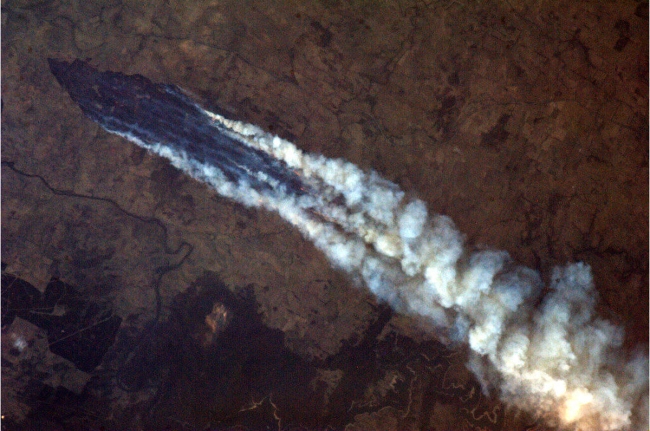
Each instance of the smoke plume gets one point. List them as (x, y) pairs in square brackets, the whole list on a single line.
[(542, 347)]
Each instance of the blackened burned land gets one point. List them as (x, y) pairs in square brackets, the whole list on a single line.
[(78, 329), (162, 114), (249, 376)]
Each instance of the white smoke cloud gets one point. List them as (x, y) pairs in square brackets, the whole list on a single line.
[(552, 356)]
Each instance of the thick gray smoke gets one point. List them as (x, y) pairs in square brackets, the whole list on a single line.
[(552, 356)]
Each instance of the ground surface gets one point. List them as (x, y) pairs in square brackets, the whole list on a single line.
[(526, 122)]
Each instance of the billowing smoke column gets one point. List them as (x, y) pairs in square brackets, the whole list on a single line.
[(551, 354)]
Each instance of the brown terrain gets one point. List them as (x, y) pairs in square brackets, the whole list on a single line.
[(525, 121)]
